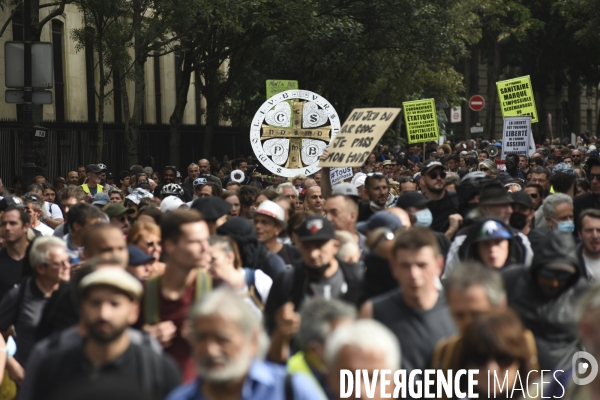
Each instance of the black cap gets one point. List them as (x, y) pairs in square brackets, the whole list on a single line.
[(211, 207), (430, 165), (93, 168), (314, 229), (9, 202), (494, 195), (591, 161), (471, 160), (520, 197), (412, 199), (145, 186)]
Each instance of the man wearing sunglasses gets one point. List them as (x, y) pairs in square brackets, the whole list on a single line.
[(592, 199), (119, 216), (443, 204), (546, 297)]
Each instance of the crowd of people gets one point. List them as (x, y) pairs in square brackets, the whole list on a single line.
[(224, 281)]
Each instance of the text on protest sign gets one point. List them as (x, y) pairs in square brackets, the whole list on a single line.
[(515, 136), (277, 86), (359, 136), (516, 98), (421, 121), (339, 174)]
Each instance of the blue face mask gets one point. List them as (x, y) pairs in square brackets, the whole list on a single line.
[(424, 218), (565, 226)]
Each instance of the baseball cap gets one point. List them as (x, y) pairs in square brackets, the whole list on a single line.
[(382, 219), (411, 199), (345, 189), (355, 179), (116, 209), (199, 181), (387, 162), (494, 195), (593, 153), (113, 277), (93, 168), (273, 210), (100, 199), (430, 165), (498, 144), (314, 229), (211, 207), (171, 203), (522, 198), (138, 256), (491, 230)]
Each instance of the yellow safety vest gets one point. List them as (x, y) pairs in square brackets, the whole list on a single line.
[(297, 365), (86, 188)]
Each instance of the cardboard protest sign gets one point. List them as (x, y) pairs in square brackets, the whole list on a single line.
[(336, 175), (516, 136), (421, 121), (277, 86), (516, 98), (359, 136)]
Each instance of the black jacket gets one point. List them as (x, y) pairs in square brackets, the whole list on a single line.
[(553, 320), (292, 285)]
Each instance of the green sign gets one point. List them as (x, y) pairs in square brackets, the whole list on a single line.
[(277, 86), (421, 121)]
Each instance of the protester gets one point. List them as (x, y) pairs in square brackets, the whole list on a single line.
[(214, 210), (558, 212), (15, 226), (140, 263), (377, 188), (588, 251), (269, 222), (32, 205), (443, 204)]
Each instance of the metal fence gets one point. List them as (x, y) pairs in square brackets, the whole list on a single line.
[(69, 144)]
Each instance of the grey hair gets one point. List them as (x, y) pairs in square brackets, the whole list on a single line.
[(317, 315), (282, 186), (452, 178), (472, 273), (148, 170), (366, 334), (552, 201), (40, 249)]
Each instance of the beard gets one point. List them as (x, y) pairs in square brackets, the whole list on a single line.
[(230, 371), (433, 189), (105, 336)]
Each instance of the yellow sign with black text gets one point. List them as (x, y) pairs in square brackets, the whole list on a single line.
[(516, 98), (420, 117)]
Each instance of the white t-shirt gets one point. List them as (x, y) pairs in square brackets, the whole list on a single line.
[(593, 266), (45, 230), (52, 210)]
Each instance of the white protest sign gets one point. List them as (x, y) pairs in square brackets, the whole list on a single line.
[(359, 136), (339, 174), (515, 135)]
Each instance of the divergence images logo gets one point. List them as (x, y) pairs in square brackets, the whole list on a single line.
[(290, 131), (582, 367)]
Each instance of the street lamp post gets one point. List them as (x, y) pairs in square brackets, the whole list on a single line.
[(28, 167)]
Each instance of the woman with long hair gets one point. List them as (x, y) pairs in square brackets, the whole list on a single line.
[(147, 237)]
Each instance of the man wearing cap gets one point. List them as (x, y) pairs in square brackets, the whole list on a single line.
[(546, 297), (109, 305), (342, 210), (318, 273), (551, 161), (214, 210), (387, 168), (140, 263), (100, 200), (197, 186), (119, 216), (592, 199), (442, 203), (92, 184), (522, 217), (313, 200), (269, 221)]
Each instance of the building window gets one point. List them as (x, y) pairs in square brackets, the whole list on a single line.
[(157, 88), (89, 77), (59, 80)]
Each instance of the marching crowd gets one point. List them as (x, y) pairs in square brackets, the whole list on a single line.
[(223, 281)]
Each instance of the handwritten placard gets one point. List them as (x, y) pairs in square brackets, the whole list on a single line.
[(359, 136), (276, 86), (339, 174)]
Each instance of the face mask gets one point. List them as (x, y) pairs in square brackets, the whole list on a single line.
[(518, 220), (424, 218), (566, 226), (376, 206)]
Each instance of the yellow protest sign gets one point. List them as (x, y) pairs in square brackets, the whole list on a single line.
[(420, 117), (359, 136), (516, 98)]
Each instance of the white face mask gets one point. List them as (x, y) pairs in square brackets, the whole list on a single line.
[(424, 218)]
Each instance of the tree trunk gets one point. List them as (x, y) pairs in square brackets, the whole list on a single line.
[(136, 118), (493, 75), (212, 108), (101, 100), (185, 76)]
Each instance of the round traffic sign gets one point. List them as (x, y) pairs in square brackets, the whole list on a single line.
[(476, 103)]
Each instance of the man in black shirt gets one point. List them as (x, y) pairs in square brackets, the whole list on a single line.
[(378, 190), (269, 221), (443, 204), (107, 360), (15, 224)]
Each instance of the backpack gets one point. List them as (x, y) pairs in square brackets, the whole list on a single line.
[(252, 292), (151, 295)]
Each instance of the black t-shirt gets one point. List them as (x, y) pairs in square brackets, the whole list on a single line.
[(139, 371), (289, 254), (364, 211), (441, 210), (10, 272)]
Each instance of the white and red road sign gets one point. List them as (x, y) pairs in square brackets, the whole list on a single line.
[(476, 103)]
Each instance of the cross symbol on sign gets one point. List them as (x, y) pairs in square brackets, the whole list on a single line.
[(295, 134)]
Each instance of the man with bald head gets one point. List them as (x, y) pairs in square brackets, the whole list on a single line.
[(105, 241), (204, 166), (313, 200), (72, 178), (342, 210)]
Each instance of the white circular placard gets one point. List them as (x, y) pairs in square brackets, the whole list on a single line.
[(317, 113)]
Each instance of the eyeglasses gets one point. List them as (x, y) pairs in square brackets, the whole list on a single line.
[(592, 176), (484, 169), (551, 274), (434, 175)]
